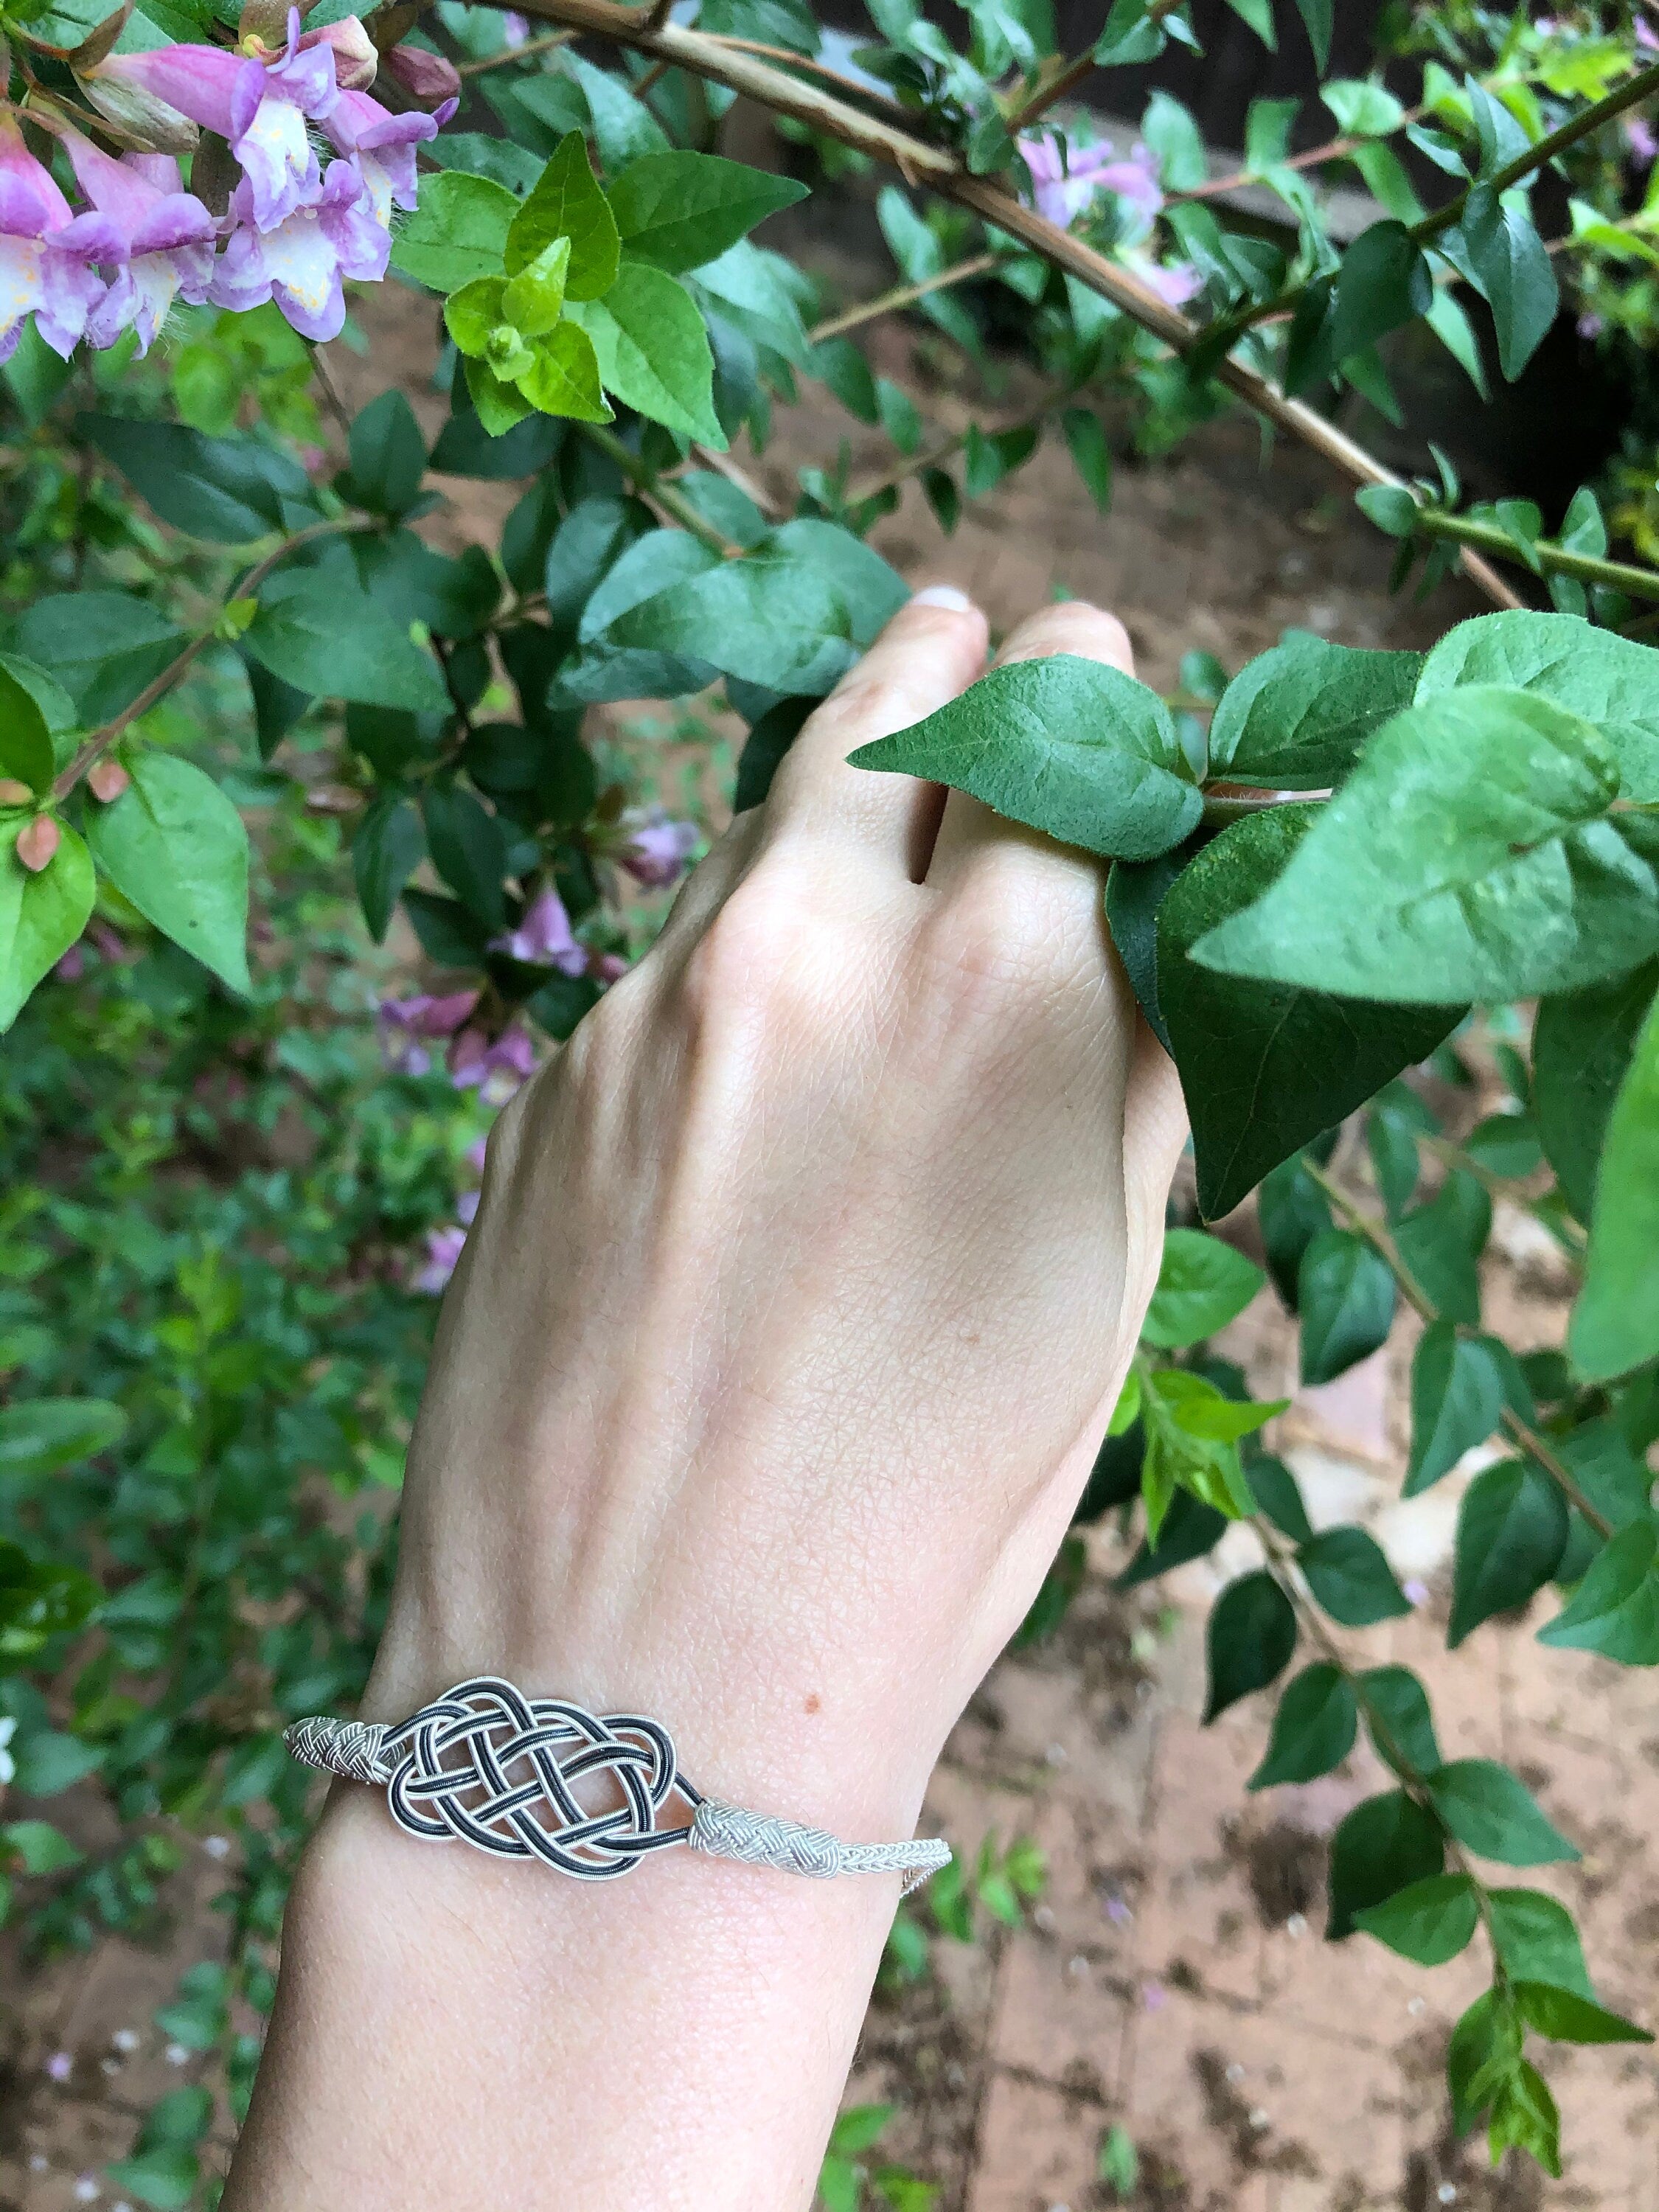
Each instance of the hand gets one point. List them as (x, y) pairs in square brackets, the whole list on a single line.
[(803, 1282)]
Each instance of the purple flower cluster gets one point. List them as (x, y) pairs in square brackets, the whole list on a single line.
[(1067, 180), (295, 227)]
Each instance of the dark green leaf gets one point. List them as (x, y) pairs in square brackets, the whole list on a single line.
[(1314, 1728), (1294, 718), (764, 749), (1396, 1710), (1202, 1285), (1067, 745), (1317, 17), (1346, 1297), (1249, 1640), (334, 644), (469, 850), (1349, 1575), (26, 747), (40, 1435), (386, 851), (1536, 1940), (1290, 1210), (1429, 1923), (774, 618), (1441, 1241), (1471, 854), (1511, 1532), (1497, 247), (388, 455), (1581, 1048), (447, 933), (624, 126), (175, 845), (227, 489), (1135, 890), (678, 211), (1279, 1496), (1092, 453), (102, 647), (1614, 1610), (1615, 1323), (1383, 1847), (1265, 1066), (1189, 1530), (1493, 1814), (1458, 1395), (1384, 280), (1566, 2017)]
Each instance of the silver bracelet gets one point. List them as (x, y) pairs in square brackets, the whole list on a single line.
[(496, 1769)]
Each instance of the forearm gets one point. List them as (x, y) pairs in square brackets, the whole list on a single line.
[(455, 2032)]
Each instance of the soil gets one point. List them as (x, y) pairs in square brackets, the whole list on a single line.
[(1172, 1979)]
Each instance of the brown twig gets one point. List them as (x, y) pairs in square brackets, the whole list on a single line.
[(903, 295), (524, 53)]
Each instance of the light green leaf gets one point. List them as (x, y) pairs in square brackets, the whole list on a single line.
[(567, 202), (175, 845), (1471, 854), (534, 301), (678, 211), (1615, 1323), (41, 914), (1362, 110), (1429, 1923), (1067, 745), (459, 231), (1295, 718), (499, 406), (1535, 1938), (471, 314), (653, 352), (563, 376), (40, 1848), (1202, 1285)]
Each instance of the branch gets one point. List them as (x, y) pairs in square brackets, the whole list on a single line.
[(1056, 90), (524, 53), (939, 171), (658, 491), (92, 749), (905, 296), (1643, 86), (1377, 1236), (1589, 567)]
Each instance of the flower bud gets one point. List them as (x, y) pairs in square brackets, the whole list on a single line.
[(13, 794), (37, 842), (140, 120), (108, 780), (428, 78), (356, 59)]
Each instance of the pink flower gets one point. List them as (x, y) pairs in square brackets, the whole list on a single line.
[(356, 57), (260, 104), (467, 1206), (1590, 326), (381, 147), (608, 968), (166, 239), (300, 260), (1639, 136), (1174, 284), (1066, 182), (443, 1252), (515, 28), (657, 851), (71, 966), (47, 251), (543, 939), (60, 2066), (426, 76), (475, 1154), (405, 1022), (495, 1069)]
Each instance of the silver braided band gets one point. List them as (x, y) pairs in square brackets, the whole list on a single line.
[(496, 1769)]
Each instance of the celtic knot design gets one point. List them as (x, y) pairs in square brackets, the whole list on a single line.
[(499, 1771)]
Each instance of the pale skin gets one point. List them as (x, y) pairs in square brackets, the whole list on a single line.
[(803, 1282)]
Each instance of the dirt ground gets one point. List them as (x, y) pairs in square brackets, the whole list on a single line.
[(1172, 1979)]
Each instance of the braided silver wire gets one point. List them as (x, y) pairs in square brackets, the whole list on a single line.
[(495, 1769)]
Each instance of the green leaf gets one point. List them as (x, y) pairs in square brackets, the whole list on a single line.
[(1314, 1728), (1199, 1409), (336, 644), (1202, 1285), (653, 351), (1429, 1923), (1092, 453), (48, 1763), (1493, 1814), (567, 202), (652, 564), (1384, 280), (1349, 1575), (388, 456), (1566, 2017), (563, 377), (1581, 1045), (226, 490), (1536, 1940), (1279, 1496), (1249, 1640), (458, 232), (1266, 1066), (102, 647), (1396, 1710), (1384, 1846), (1498, 248), (534, 301), (1471, 855), (1459, 1390), (1135, 892), (1188, 1530), (386, 851), (26, 747), (1258, 14), (774, 618), (469, 850), (164, 2178), (175, 845), (678, 211), (41, 914), (1294, 718), (859, 2128), (40, 1435), (1346, 1297), (623, 126), (1440, 1244), (1614, 1610), (1317, 17), (1390, 507), (39, 1847), (1524, 2118), (499, 406), (1172, 133), (1615, 1323), (1611, 681), (1511, 1532), (1064, 745), (1362, 110)]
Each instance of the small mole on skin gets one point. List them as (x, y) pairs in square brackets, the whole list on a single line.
[(813, 1702)]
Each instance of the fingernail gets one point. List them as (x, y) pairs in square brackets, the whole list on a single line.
[(944, 595)]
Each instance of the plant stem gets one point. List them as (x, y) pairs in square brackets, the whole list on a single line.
[(1220, 810), (658, 491), (524, 53), (92, 749), (938, 170), (1056, 90), (903, 295), (1643, 86), (1589, 567), (1377, 1236)]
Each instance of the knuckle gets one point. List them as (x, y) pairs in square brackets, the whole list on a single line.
[(1075, 627), (769, 944)]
